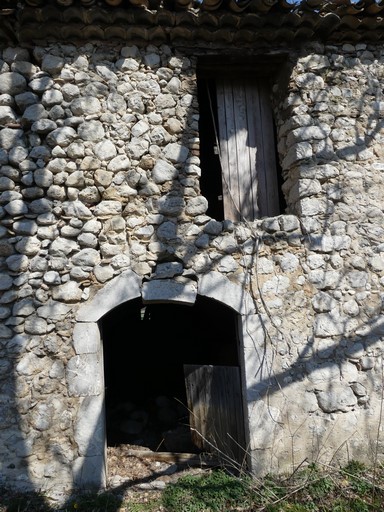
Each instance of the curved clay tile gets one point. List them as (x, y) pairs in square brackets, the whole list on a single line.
[(375, 7), (229, 21), (65, 3), (205, 19), (139, 3), (184, 4), (72, 32), (224, 36), (350, 22), (115, 32), (371, 24), (293, 19), (238, 6), (304, 33), (352, 36), (211, 5), (40, 14), (74, 14), (182, 33), (251, 20), (312, 4), (261, 5), (326, 24), (294, 35)]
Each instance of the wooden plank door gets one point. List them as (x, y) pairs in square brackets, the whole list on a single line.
[(247, 150), (214, 401)]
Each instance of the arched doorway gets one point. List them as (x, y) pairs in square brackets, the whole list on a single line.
[(85, 370), (150, 351)]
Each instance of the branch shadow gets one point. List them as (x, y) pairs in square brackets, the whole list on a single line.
[(176, 200)]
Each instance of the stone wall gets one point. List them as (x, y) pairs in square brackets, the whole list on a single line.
[(100, 189)]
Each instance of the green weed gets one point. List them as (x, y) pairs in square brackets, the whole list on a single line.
[(215, 492)]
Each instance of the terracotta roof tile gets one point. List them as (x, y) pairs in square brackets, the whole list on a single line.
[(213, 21)]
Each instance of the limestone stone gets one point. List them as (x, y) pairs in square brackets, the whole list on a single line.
[(105, 150), (89, 471), (107, 209), (289, 263), (89, 430), (35, 325), (61, 136), (41, 84), (12, 83), (81, 377), (16, 207), (339, 398), (175, 153), (76, 209), (163, 171), (10, 137), (86, 257), (296, 153), (53, 310), (91, 131), (24, 307), (103, 273), (196, 205), (33, 113), (5, 282), (88, 240), (29, 245), (168, 270), (29, 364), (333, 324), (86, 338), (171, 205), (323, 302), (67, 292)]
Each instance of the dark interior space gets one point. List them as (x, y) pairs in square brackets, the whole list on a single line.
[(145, 348), (210, 180)]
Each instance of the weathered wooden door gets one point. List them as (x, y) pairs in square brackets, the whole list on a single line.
[(215, 410), (247, 149)]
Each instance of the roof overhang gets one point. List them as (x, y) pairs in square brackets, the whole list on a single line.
[(215, 23)]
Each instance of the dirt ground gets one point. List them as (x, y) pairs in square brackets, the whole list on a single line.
[(139, 474)]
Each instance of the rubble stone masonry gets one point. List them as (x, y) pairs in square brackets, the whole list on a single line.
[(100, 202)]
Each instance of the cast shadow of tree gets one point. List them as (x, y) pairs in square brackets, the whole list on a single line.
[(269, 385)]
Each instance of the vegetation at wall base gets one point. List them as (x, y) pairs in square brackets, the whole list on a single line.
[(353, 488)]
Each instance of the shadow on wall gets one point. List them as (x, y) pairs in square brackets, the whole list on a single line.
[(32, 372)]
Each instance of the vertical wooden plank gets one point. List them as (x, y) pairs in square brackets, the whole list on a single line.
[(215, 405), (197, 388), (245, 161), (228, 154), (252, 106), (269, 195)]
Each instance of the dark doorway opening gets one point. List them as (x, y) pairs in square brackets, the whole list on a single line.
[(145, 350)]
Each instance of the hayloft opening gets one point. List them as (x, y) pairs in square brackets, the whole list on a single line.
[(146, 348), (241, 176)]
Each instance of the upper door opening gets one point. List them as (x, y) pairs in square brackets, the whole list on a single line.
[(241, 176)]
